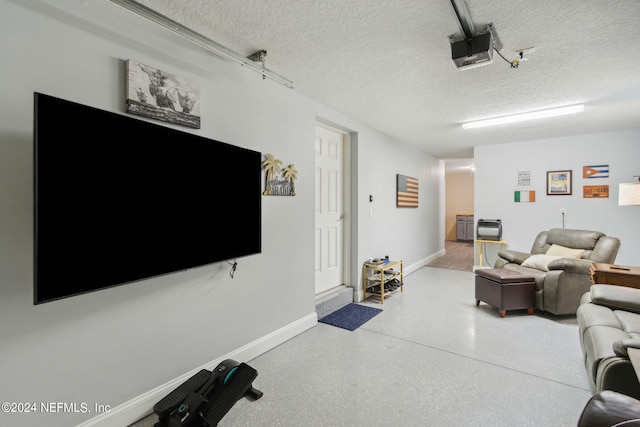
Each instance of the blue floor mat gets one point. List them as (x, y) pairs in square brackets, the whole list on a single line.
[(351, 316)]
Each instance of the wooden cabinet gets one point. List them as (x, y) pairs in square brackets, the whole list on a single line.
[(465, 230), (380, 280)]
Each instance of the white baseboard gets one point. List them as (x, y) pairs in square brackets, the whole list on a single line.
[(141, 406), (421, 263)]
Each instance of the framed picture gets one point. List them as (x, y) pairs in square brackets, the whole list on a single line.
[(559, 183), (162, 96), (407, 194)]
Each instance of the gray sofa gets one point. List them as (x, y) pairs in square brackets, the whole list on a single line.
[(609, 323), (561, 265)]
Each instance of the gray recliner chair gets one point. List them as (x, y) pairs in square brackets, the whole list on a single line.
[(559, 261)]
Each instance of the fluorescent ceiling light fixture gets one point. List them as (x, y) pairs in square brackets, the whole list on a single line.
[(540, 114)]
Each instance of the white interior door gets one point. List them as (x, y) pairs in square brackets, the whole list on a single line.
[(329, 213)]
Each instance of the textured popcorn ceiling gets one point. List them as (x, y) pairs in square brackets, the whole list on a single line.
[(388, 62)]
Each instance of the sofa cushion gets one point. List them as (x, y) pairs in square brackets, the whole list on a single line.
[(540, 261), (589, 315), (630, 322), (564, 251)]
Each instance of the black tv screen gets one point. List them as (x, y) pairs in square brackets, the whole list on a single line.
[(119, 199)]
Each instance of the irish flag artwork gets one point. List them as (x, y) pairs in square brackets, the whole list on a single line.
[(524, 196)]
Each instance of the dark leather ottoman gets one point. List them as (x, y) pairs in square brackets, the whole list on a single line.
[(505, 290)]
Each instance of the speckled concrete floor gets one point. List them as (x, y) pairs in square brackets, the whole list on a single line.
[(432, 358)]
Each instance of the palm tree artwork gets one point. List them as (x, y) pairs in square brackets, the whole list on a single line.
[(291, 174), (271, 167), (277, 184)]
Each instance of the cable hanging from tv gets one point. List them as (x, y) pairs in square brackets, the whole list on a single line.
[(233, 265)]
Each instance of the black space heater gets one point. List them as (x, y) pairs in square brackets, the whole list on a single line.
[(489, 229)]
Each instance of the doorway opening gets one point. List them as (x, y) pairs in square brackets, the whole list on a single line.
[(459, 216), (332, 218)]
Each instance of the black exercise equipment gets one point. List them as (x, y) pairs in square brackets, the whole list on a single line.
[(206, 397)]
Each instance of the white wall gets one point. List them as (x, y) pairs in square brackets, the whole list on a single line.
[(409, 234), (496, 181), (123, 346)]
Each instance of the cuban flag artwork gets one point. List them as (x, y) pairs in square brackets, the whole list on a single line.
[(597, 171)]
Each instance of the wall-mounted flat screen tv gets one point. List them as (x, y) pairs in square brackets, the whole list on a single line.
[(119, 199)]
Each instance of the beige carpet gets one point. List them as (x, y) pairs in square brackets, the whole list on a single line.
[(458, 256)]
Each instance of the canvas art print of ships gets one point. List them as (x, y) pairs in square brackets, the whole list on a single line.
[(162, 96)]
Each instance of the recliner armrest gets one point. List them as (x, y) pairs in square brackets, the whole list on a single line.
[(620, 347), (513, 256), (616, 297), (571, 265)]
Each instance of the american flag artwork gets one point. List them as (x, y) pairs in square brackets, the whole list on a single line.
[(407, 196)]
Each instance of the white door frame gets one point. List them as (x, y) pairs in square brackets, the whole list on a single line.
[(346, 196)]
